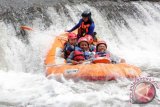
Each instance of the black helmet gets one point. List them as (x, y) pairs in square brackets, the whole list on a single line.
[(86, 13)]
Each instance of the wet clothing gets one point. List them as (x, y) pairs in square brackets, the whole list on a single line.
[(68, 48), (114, 59), (79, 55), (84, 28)]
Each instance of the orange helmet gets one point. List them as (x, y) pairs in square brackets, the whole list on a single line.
[(72, 36), (89, 38), (101, 42), (82, 39)]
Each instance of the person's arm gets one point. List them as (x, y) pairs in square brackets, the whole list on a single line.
[(70, 57), (76, 26), (91, 29), (115, 59)]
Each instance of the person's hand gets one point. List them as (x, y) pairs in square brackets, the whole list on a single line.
[(66, 31), (123, 60), (80, 62), (75, 62)]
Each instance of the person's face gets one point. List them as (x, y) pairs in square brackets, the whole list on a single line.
[(84, 46), (102, 48), (73, 41), (85, 19)]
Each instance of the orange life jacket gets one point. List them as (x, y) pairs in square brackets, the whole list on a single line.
[(83, 29)]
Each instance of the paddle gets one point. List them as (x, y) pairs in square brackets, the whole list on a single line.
[(26, 28)]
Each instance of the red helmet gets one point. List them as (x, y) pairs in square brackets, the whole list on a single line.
[(72, 36), (89, 38), (101, 42), (82, 39)]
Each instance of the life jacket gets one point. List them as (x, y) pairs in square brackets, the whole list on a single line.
[(102, 54), (68, 48), (83, 29), (79, 55)]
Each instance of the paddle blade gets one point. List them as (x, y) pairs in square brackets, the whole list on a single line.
[(26, 28)]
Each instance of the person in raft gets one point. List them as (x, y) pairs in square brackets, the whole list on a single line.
[(85, 26), (69, 46), (101, 51), (82, 52), (90, 41)]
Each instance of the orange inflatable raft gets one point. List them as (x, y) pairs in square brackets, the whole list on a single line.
[(89, 71)]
